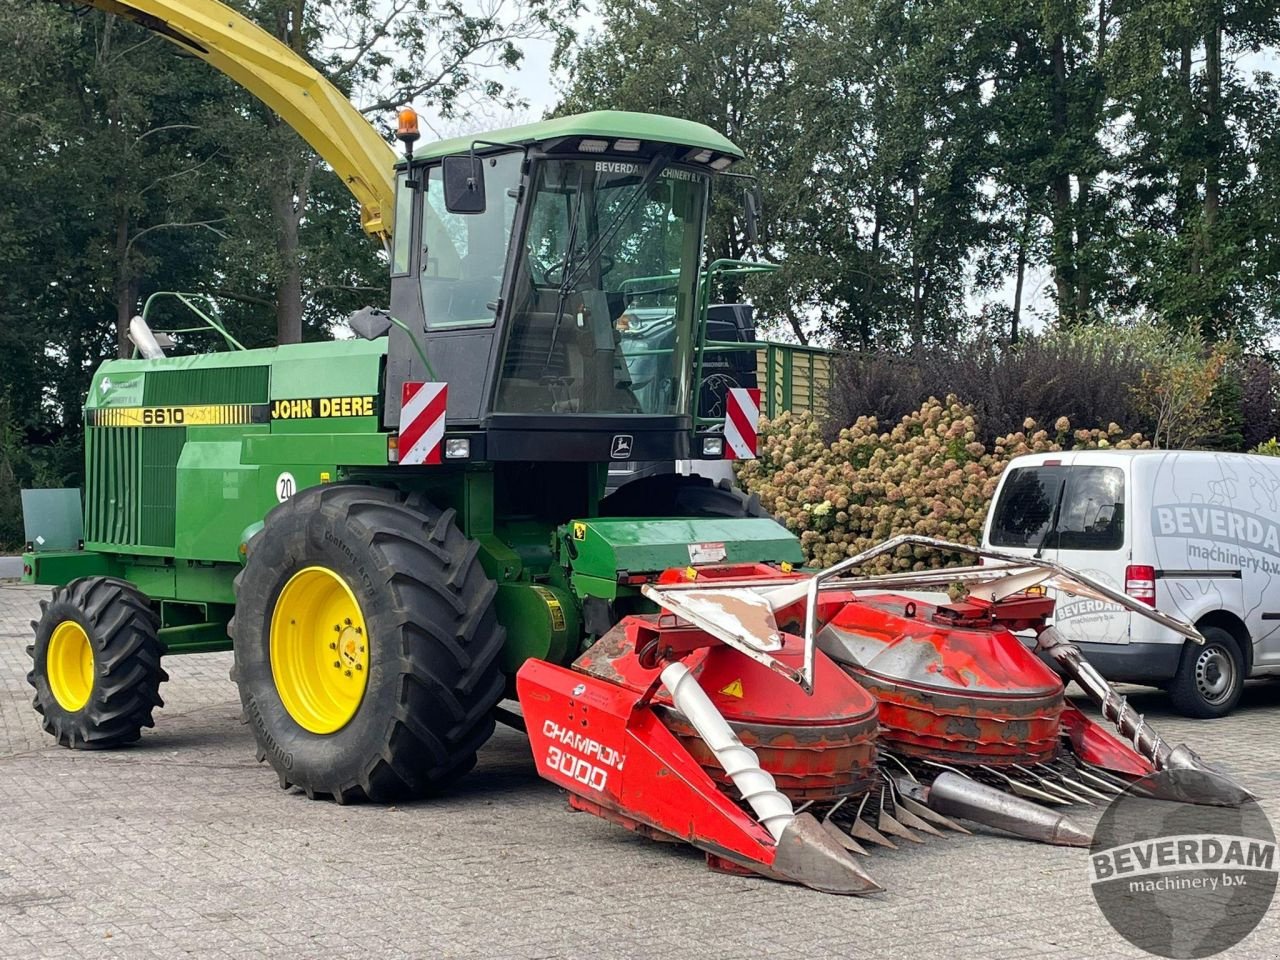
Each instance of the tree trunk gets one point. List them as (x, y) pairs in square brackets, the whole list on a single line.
[(1063, 255), (289, 284), (124, 286), (289, 200), (1016, 318), (1184, 199), (1083, 275), (1216, 139), (917, 286)]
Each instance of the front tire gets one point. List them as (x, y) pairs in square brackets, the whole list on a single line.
[(1210, 678), (96, 663), (366, 644)]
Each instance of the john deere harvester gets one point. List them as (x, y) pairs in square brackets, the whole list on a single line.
[(395, 532), (384, 528)]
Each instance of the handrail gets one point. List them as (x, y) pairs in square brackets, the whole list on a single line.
[(185, 299), (722, 267)]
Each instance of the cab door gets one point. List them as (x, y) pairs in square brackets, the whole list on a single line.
[(1091, 537)]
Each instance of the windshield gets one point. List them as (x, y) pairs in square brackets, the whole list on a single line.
[(1061, 508), (603, 307)]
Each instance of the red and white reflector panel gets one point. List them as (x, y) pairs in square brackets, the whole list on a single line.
[(422, 407), (741, 423)]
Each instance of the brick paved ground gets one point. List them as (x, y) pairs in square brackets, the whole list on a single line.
[(184, 846)]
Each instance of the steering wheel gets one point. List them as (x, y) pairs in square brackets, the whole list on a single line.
[(540, 271)]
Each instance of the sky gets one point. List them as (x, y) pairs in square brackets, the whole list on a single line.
[(534, 82)]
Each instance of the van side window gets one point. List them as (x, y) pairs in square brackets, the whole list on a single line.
[(1090, 515)]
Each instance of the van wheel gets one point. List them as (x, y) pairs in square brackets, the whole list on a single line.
[(1210, 677)]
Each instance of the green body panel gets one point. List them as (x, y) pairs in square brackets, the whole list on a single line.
[(316, 449), (210, 477), (336, 368), (600, 123), (184, 454), (57, 567), (604, 550)]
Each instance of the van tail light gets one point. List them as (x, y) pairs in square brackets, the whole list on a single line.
[(1140, 583)]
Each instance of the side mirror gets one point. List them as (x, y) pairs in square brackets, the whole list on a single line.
[(751, 212), (369, 323), (464, 184)]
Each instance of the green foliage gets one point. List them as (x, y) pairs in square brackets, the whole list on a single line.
[(1268, 448), (130, 167), (1165, 384), (1178, 390), (918, 155), (928, 474)]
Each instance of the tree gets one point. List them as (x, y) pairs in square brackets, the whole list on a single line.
[(435, 54), (131, 167), (860, 116), (723, 63), (1196, 149), (102, 196)]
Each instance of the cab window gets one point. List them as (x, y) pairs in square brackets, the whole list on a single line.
[(464, 255), (402, 241)]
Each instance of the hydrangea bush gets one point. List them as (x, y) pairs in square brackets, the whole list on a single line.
[(928, 474)]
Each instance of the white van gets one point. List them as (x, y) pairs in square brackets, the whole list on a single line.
[(1192, 533)]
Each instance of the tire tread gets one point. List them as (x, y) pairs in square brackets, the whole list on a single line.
[(446, 640), (127, 663)]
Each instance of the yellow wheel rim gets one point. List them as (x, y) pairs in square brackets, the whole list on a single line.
[(319, 650), (69, 665)]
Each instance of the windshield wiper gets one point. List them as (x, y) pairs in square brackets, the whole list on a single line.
[(575, 215), (659, 163), (569, 280)]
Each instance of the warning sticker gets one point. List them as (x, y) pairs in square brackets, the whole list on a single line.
[(733, 689), (707, 552), (554, 607), (579, 530)]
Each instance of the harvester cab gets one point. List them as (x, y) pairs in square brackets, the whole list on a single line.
[(555, 270), (394, 533)]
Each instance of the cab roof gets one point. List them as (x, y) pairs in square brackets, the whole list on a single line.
[(600, 123)]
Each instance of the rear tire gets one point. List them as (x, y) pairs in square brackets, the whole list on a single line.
[(431, 674), (674, 495), (1210, 678), (96, 663)]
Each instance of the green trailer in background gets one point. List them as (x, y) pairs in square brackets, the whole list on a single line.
[(794, 377)]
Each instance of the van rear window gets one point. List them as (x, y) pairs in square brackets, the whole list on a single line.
[(1061, 508)]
